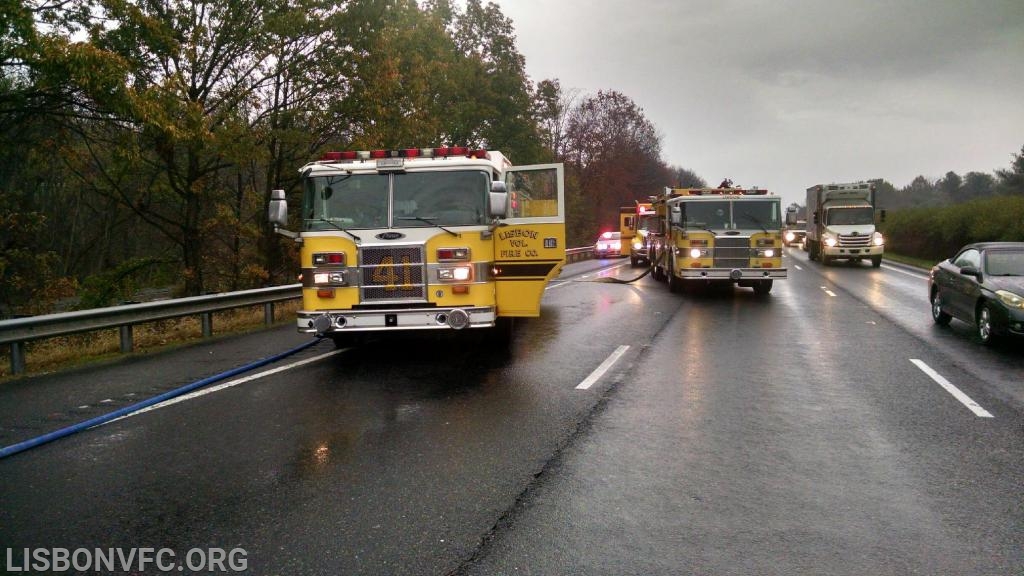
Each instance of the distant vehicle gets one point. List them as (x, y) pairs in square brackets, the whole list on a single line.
[(608, 244), (982, 285), (794, 233)]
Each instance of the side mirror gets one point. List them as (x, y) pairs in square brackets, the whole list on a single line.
[(498, 199), (971, 271), (815, 217), (277, 211), (881, 215), (676, 216)]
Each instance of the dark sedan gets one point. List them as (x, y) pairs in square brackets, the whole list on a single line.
[(982, 285)]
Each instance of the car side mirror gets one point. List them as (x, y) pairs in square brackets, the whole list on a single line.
[(971, 271)]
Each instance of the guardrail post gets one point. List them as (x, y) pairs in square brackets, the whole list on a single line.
[(17, 357), (207, 325), (268, 313), (127, 345)]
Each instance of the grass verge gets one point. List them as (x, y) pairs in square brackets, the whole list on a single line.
[(909, 260)]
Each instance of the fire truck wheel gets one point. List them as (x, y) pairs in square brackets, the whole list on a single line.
[(763, 287), (500, 336), (344, 340), (675, 285)]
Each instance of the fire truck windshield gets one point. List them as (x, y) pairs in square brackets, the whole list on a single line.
[(756, 214), (733, 215), (708, 214), (417, 199)]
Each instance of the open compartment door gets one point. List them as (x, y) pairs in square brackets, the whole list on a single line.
[(529, 246)]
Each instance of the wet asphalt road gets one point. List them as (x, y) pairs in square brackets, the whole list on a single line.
[(736, 435)]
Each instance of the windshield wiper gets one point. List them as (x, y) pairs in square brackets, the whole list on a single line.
[(428, 221), (354, 237), (756, 221)]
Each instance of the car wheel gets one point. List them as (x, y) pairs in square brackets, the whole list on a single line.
[(876, 261), (763, 287), (940, 317), (985, 333)]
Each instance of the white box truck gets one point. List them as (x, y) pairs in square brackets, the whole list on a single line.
[(841, 223)]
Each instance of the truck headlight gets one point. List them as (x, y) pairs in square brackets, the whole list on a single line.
[(456, 274), (769, 253), (637, 245), (1010, 299), (877, 239), (790, 236), (831, 241)]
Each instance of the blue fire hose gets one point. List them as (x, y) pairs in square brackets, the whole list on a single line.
[(73, 429)]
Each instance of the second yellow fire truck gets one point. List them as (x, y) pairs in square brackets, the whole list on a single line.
[(718, 235)]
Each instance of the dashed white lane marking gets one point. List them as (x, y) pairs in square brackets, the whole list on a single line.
[(963, 398), (797, 267), (217, 388), (604, 367), (829, 292)]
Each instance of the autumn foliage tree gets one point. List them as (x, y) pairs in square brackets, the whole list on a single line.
[(613, 154)]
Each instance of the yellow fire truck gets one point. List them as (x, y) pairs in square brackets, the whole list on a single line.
[(635, 221), (708, 235), (424, 239)]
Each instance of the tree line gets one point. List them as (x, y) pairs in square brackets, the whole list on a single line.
[(141, 139)]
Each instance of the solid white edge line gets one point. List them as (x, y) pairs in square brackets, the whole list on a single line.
[(600, 370), (218, 387), (911, 274), (963, 398)]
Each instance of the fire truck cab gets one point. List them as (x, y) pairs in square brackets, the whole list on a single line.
[(423, 239), (718, 235)]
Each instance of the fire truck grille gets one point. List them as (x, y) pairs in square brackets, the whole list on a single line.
[(732, 252), (392, 273), (854, 241)]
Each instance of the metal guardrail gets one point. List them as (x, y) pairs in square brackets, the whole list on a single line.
[(577, 254), (18, 331)]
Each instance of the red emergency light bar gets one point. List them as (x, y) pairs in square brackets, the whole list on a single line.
[(439, 152), (718, 191)]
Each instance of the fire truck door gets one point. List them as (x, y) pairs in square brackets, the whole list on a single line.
[(529, 247)]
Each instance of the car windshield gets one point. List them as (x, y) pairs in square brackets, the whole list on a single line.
[(1005, 262), (414, 199)]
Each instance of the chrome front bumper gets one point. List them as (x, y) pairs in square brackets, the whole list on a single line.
[(328, 322)]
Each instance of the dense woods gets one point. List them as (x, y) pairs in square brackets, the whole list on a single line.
[(140, 139)]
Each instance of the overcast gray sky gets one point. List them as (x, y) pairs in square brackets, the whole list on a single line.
[(783, 94)]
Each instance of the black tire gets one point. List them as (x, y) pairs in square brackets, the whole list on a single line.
[(763, 287), (501, 335), (876, 261), (812, 252), (941, 318), (345, 340), (984, 324), (675, 285)]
